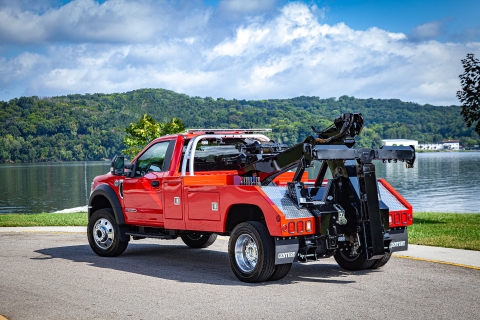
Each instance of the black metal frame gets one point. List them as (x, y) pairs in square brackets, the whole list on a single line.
[(372, 226)]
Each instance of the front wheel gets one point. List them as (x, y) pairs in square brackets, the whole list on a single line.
[(252, 252), (103, 234), (195, 240), (355, 263)]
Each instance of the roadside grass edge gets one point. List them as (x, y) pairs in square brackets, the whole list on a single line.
[(448, 230)]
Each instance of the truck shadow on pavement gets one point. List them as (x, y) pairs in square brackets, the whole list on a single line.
[(183, 264)]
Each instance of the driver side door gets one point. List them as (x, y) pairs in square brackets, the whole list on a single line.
[(143, 192)]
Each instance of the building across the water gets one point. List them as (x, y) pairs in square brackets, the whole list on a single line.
[(451, 144), (430, 146), (444, 145), (400, 142)]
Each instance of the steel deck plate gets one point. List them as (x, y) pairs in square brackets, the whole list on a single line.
[(389, 199), (278, 195)]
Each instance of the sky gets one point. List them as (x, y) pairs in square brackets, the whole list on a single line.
[(243, 49)]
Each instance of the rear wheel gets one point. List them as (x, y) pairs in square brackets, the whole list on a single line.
[(381, 262), (103, 234), (197, 241), (355, 263), (281, 271), (252, 252)]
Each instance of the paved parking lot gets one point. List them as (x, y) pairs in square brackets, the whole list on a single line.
[(57, 276)]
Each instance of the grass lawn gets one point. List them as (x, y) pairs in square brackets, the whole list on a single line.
[(449, 230), (43, 219)]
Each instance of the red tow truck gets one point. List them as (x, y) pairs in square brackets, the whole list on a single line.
[(241, 184)]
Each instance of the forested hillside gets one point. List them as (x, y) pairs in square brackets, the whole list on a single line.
[(91, 126)]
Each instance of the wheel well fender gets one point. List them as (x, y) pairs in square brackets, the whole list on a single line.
[(239, 213), (105, 197)]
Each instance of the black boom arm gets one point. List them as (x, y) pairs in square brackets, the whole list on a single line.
[(267, 166)]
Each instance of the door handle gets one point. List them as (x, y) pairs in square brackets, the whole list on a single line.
[(155, 184)]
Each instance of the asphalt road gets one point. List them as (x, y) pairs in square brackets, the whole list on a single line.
[(57, 276)]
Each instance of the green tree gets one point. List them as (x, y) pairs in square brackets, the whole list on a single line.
[(145, 130), (172, 127), (469, 96), (92, 126)]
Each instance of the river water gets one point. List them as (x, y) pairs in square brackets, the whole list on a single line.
[(439, 182), (47, 187)]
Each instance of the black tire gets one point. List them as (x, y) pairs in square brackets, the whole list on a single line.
[(281, 271), (252, 252), (352, 263), (197, 241), (381, 262), (103, 234)]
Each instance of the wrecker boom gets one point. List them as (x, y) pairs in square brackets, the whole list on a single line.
[(270, 160), (333, 147)]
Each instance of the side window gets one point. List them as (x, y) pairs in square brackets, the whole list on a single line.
[(212, 155), (153, 159)]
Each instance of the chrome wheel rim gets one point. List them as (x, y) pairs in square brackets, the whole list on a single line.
[(246, 253), (103, 233)]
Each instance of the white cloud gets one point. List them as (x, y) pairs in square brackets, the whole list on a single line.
[(428, 31), (243, 40), (114, 21), (285, 54)]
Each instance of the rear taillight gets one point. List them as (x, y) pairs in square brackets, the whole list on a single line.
[(291, 227), (399, 219), (396, 218), (404, 218), (300, 226), (308, 226)]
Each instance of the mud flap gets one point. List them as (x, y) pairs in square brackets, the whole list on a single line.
[(285, 250), (399, 240), (123, 233)]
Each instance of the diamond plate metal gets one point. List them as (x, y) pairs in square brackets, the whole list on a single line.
[(389, 199), (278, 195)]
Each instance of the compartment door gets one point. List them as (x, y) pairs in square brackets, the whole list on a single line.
[(203, 206), (173, 204)]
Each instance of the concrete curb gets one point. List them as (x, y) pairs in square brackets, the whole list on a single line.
[(455, 257)]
